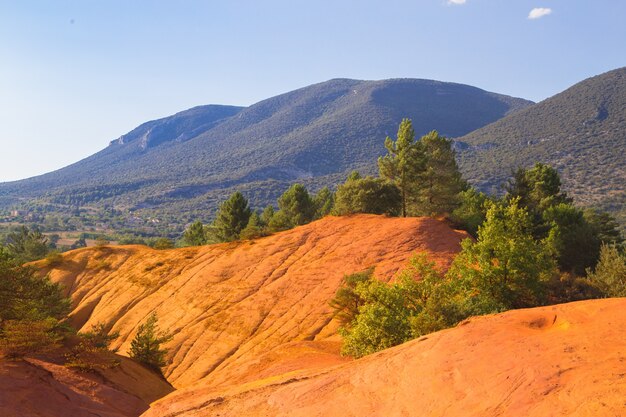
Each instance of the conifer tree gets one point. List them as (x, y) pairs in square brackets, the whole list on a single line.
[(254, 228), (403, 163), (195, 234), (232, 217), (324, 201), (440, 182), (146, 346), (296, 205)]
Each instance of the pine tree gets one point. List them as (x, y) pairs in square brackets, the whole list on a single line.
[(403, 163), (232, 217), (146, 346), (324, 201), (195, 234), (296, 205), (439, 184), (610, 272), (266, 216), (254, 229), (27, 245)]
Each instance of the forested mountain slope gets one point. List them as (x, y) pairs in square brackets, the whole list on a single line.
[(581, 132), (183, 165)]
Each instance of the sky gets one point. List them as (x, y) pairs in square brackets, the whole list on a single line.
[(75, 75)]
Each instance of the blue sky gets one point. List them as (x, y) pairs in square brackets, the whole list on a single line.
[(76, 74)]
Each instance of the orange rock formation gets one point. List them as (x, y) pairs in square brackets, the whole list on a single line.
[(240, 311), (36, 387), (254, 334), (563, 360)]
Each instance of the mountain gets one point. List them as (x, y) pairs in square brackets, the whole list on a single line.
[(180, 167), (581, 132)]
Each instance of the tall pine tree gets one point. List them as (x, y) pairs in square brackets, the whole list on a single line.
[(440, 182), (232, 217), (403, 162)]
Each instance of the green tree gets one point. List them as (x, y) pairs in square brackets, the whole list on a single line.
[(403, 163), (146, 346), (27, 245), (572, 239), (471, 212), (25, 296), (323, 201), (254, 229), (30, 309), (439, 183), (347, 301), (367, 195), (605, 227), (266, 216), (280, 222), (232, 217), (505, 268), (195, 234), (297, 205), (610, 272), (537, 189), (163, 243)]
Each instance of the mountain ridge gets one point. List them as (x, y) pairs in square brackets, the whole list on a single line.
[(580, 131), (315, 134)]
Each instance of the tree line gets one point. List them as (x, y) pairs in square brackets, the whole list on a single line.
[(415, 178), (531, 247)]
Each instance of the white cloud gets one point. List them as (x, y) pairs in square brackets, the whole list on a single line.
[(456, 1), (538, 12)]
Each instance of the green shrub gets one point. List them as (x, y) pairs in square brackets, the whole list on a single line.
[(610, 272), (24, 337), (53, 259), (93, 352)]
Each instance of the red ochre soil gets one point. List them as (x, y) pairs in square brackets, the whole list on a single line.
[(563, 360), (254, 334), (243, 310), (43, 388)]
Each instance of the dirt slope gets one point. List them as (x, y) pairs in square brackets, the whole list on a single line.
[(564, 360), (34, 387), (245, 310)]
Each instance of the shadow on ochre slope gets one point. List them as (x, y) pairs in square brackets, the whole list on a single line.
[(43, 388), (562, 360), (244, 310)]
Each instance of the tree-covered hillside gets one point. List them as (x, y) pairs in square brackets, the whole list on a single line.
[(581, 132), (179, 168)]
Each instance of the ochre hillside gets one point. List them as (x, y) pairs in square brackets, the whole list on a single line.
[(45, 388), (246, 310), (563, 360)]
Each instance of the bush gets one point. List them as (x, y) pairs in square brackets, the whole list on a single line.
[(347, 301), (505, 268), (163, 243), (610, 272), (53, 259), (367, 195), (24, 337), (92, 352)]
